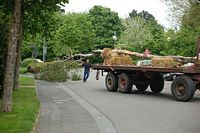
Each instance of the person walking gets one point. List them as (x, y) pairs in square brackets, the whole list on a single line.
[(87, 67)]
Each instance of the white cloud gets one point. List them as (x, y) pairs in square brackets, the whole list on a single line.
[(123, 7)]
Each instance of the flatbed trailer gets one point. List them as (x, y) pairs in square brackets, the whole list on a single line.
[(123, 77)]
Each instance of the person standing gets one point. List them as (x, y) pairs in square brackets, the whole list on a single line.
[(87, 67)]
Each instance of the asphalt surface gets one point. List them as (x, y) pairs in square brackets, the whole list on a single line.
[(113, 111)]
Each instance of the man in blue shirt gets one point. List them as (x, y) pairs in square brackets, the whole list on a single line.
[(87, 67)]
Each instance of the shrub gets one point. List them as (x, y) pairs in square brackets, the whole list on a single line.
[(75, 74), (36, 64), (26, 62), (23, 70)]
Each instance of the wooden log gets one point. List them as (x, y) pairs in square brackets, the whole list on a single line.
[(180, 59)]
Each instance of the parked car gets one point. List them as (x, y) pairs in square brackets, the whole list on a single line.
[(144, 63)]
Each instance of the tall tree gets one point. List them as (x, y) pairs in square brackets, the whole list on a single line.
[(137, 34), (11, 56), (75, 33), (142, 31), (15, 37), (106, 24), (6, 7)]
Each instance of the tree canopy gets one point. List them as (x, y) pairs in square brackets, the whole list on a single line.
[(106, 24), (75, 33)]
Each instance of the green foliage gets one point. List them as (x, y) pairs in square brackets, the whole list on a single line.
[(55, 72), (182, 42), (75, 33), (186, 15), (23, 70), (26, 62), (106, 23), (37, 64), (38, 15), (96, 59), (60, 71), (75, 75), (142, 31), (191, 17), (137, 34), (23, 116), (143, 14)]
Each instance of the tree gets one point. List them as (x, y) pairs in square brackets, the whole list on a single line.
[(186, 15), (15, 37), (137, 34), (191, 17), (11, 56), (75, 33), (4, 28), (133, 13), (106, 24), (177, 9), (142, 31)]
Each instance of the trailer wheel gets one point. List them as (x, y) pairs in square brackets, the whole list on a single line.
[(183, 88), (124, 83), (111, 82), (157, 83), (142, 86)]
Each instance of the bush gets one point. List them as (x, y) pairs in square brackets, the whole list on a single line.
[(36, 64), (26, 62), (23, 70), (76, 75)]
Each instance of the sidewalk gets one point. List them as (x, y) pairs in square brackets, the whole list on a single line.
[(60, 113)]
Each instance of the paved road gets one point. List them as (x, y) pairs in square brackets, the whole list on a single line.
[(141, 112), (77, 107)]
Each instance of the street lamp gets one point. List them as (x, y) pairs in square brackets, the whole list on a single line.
[(114, 38), (44, 52)]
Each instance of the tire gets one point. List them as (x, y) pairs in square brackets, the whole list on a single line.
[(183, 88), (141, 86), (157, 83), (124, 83), (111, 82)]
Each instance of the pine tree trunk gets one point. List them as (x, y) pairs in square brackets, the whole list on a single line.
[(11, 58)]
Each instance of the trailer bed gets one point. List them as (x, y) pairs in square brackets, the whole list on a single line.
[(186, 70)]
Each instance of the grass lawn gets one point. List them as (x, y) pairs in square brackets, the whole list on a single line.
[(26, 81), (25, 108)]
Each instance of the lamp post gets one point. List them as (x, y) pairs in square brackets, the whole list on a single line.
[(114, 38), (44, 52), (34, 55)]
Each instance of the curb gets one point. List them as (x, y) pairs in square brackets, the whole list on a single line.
[(36, 121)]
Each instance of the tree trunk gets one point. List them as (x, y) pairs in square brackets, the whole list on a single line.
[(18, 57), (180, 59), (17, 63), (11, 58)]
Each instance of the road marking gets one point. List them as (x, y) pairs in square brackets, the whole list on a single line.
[(103, 123)]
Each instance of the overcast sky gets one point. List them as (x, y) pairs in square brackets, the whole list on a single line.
[(123, 7)]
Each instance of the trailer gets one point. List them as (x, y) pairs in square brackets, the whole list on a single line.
[(123, 77)]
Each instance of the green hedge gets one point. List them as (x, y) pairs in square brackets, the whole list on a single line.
[(27, 61)]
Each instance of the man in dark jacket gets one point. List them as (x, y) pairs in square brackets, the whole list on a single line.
[(87, 67)]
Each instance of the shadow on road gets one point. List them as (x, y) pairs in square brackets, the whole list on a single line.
[(162, 95)]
